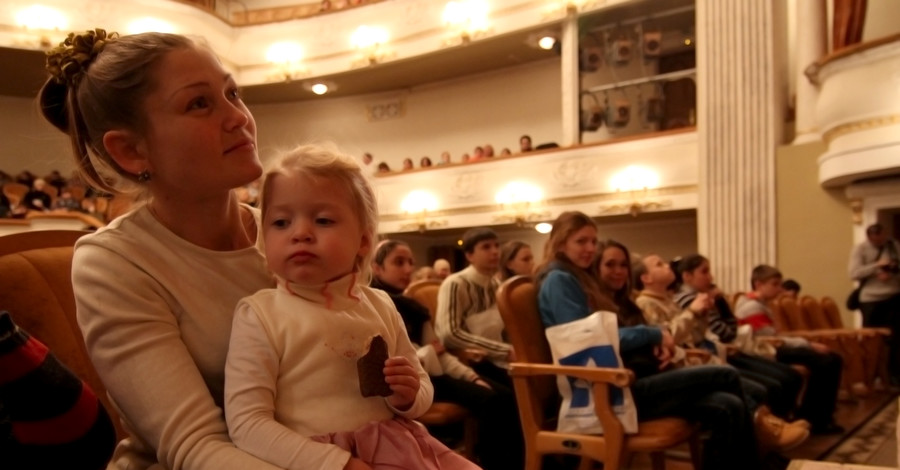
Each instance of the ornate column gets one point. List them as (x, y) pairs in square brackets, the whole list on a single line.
[(571, 85), (812, 45), (740, 106)]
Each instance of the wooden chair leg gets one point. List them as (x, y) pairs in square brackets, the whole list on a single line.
[(696, 451), (586, 463), (658, 461), (470, 436)]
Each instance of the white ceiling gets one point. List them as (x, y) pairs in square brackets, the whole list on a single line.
[(512, 46)]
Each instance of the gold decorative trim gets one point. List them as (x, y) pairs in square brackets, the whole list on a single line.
[(858, 126), (559, 201)]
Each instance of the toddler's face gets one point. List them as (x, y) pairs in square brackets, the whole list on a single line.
[(311, 231)]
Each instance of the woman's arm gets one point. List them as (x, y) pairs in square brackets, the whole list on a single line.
[(135, 343), (561, 299), (251, 373)]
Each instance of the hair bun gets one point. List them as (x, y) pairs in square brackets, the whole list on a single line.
[(71, 58)]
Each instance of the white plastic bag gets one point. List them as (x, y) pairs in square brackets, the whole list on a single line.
[(591, 341)]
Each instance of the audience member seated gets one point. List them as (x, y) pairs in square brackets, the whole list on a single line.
[(614, 271), (36, 198), (55, 179), (407, 164), (477, 154), (499, 444), (383, 168), (26, 177), (516, 258), (711, 395), (467, 315), (824, 365), (790, 288), (67, 202), (756, 360), (425, 273), (818, 402), (505, 152), (465, 158), (488, 151), (425, 162), (445, 159), (441, 268), (525, 143)]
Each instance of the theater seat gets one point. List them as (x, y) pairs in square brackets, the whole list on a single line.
[(35, 272)]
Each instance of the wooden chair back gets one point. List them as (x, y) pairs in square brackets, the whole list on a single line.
[(538, 399), (793, 314), (832, 312), (426, 293), (813, 313), (15, 192), (35, 272), (517, 302)]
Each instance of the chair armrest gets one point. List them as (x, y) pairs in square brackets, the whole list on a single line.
[(617, 377)]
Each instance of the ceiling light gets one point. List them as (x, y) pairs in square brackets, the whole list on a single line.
[(546, 43), (543, 227), (319, 88)]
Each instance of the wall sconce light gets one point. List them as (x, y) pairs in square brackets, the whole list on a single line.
[(467, 18), (417, 204), (637, 182), (370, 42), (42, 20), (286, 56), (517, 202)]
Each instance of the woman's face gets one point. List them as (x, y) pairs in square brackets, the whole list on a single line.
[(397, 269), (614, 269), (522, 263), (581, 247), (200, 138), (700, 278)]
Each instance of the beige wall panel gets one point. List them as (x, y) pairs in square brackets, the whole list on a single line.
[(27, 142), (814, 233)]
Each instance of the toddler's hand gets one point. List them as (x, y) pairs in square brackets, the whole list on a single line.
[(403, 379)]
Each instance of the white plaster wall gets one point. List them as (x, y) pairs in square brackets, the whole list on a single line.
[(27, 142), (456, 116)]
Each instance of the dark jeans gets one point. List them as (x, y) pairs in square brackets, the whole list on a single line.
[(820, 398), (886, 314), (499, 445), (487, 369), (712, 396), (782, 383)]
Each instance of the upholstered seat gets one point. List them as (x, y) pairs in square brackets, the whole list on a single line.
[(35, 272)]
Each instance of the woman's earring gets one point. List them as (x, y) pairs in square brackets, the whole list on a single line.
[(143, 176)]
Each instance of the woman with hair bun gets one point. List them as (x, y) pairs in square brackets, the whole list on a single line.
[(158, 115)]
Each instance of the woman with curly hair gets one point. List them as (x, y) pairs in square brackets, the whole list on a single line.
[(155, 290)]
